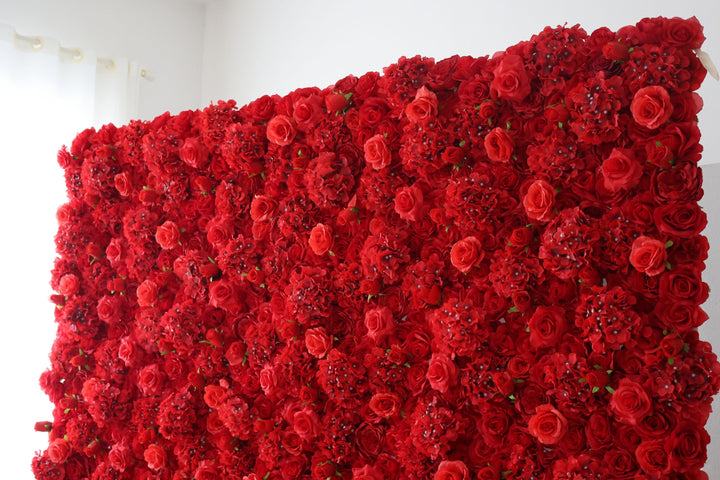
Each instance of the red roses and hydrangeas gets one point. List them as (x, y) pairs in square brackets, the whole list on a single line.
[(473, 268)]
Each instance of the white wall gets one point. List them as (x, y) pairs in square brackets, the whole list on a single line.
[(164, 36)]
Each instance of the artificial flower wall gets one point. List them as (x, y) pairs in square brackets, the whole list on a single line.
[(476, 268)]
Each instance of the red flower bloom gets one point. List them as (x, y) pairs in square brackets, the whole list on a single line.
[(651, 106), (548, 425)]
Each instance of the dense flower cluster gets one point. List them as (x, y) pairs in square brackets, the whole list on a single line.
[(477, 268)]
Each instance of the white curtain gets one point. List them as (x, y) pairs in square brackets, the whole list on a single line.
[(48, 94)]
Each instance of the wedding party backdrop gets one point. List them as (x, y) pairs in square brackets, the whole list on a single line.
[(477, 267), (241, 50)]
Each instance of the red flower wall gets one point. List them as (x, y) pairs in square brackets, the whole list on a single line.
[(475, 268)]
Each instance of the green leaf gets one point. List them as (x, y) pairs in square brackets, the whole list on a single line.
[(671, 360), (669, 244), (609, 389), (462, 143), (686, 348), (507, 126), (582, 380), (331, 253), (595, 389), (147, 188), (527, 329), (513, 309), (560, 125), (668, 265)]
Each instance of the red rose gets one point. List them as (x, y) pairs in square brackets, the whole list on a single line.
[(369, 439), (547, 326), (108, 309), (488, 473), (548, 425), (168, 235), (385, 405), (424, 108), (307, 112), (377, 152), (147, 293), (321, 239), (630, 402), (214, 396), (648, 255), (442, 372), (224, 294), (318, 342), (452, 470), (235, 353), (59, 450), (262, 208), (652, 458), (68, 285), (681, 32), (150, 379), (206, 470), (620, 171), (155, 456), (499, 145), (466, 254), (194, 153), (281, 130), (366, 472), (268, 379), (616, 51), (504, 382), (684, 220), (539, 201), (687, 446), (379, 323), (683, 284), (511, 81), (335, 102), (651, 106), (123, 183), (409, 203), (306, 424)]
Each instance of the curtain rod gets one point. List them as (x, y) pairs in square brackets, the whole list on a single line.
[(76, 54)]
